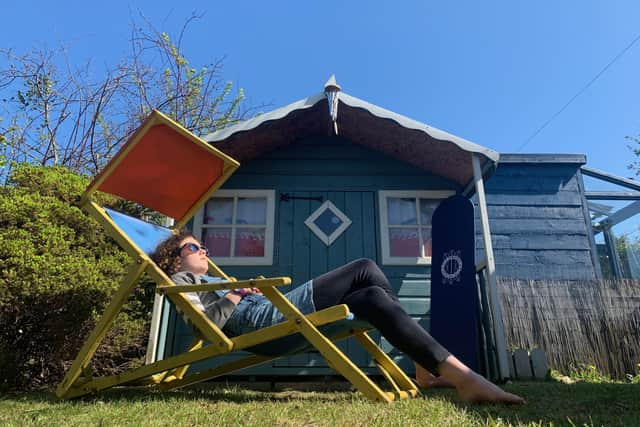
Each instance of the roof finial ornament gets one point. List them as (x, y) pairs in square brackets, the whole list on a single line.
[(331, 90)]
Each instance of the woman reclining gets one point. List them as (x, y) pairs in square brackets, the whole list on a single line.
[(361, 285)]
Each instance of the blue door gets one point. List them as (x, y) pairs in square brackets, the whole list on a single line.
[(303, 253)]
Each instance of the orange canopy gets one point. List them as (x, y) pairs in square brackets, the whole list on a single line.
[(163, 167)]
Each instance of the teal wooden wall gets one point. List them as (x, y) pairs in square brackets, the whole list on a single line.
[(349, 176), (538, 218)]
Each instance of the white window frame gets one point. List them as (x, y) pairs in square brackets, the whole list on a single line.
[(383, 195), (267, 259)]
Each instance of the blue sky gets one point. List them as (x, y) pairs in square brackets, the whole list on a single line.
[(492, 72)]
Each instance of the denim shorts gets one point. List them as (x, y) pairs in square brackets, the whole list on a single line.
[(256, 311)]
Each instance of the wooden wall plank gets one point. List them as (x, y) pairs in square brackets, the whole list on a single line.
[(337, 252), (528, 170), (543, 257), (532, 212), (369, 218), (577, 271), (561, 198), (318, 251), (283, 239), (355, 203), (353, 236), (532, 184), (530, 242), (412, 288), (537, 226)]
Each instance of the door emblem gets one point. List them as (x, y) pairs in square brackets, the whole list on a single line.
[(328, 222), (451, 267)]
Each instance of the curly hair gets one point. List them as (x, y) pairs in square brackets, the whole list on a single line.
[(166, 254)]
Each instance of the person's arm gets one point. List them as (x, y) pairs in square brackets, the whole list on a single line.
[(217, 309)]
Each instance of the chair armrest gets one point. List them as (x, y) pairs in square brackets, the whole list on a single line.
[(252, 283)]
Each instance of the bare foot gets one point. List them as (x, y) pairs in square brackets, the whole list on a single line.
[(434, 382), (472, 387), (476, 389), (426, 379)]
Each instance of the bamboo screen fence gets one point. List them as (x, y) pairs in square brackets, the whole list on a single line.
[(574, 322)]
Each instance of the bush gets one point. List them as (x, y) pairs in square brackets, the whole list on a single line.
[(58, 271)]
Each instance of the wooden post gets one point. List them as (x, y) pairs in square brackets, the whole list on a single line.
[(156, 317), (154, 330), (494, 298)]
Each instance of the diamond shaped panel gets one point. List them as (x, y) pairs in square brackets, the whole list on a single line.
[(328, 222)]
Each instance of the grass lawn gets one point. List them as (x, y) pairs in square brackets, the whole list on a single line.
[(549, 403)]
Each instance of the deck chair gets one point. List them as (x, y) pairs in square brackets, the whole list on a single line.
[(166, 168)]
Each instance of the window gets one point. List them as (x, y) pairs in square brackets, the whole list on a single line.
[(237, 226), (405, 225)]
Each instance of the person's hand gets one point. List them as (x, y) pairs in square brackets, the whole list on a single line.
[(247, 291)]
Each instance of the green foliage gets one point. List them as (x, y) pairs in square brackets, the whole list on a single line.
[(635, 377), (635, 149), (588, 373), (79, 118), (54, 182), (57, 272), (197, 98), (627, 248)]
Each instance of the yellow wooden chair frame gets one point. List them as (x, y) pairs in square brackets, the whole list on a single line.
[(160, 144)]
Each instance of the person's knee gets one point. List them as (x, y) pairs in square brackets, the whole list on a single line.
[(371, 302), (375, 296), (365, 264)]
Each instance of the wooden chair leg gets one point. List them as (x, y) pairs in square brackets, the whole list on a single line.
[(93, 341), (329, 351), (215, 372), (388, 365), (196, 344)]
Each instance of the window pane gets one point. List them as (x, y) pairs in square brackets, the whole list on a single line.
[(218, 211), (249, 242), (218, 241), (252, 211), (403, 242), (426, 210), (328, 222), (401, 211), (426, 241)]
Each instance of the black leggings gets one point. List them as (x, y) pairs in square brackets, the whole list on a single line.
[(366, 290)]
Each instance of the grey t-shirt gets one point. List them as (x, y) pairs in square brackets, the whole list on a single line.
[(213, 304)]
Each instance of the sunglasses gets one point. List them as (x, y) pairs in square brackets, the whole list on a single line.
[(193, 247)]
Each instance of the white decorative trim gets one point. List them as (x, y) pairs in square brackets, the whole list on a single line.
[(267, 259), (354, 102), (328, 240), (383, 195)]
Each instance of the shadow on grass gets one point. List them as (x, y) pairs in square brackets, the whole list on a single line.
[(547, 402), (561, 404), (215, 393)]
